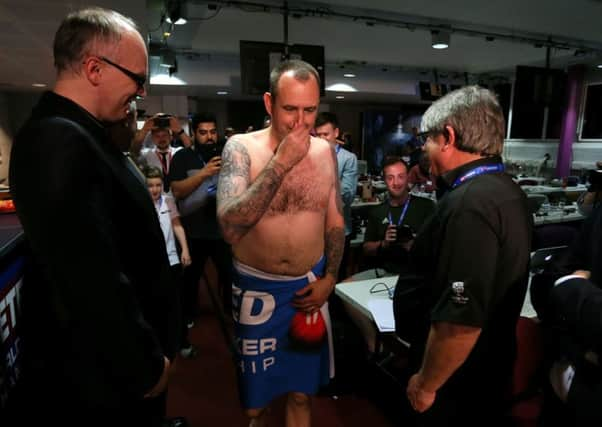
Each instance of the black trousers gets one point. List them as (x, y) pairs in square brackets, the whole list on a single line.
[(221, 255)]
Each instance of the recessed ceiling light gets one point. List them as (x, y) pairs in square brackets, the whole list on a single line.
[(340, 97), (349, 75), (222, 92), (38, 84), (599, 65), (341, 87), (179, 21)]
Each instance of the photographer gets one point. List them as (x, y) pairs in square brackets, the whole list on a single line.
[(194, 175), (163, 128), (588, 201), (393, 225)]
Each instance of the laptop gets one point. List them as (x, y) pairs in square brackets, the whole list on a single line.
[(544, 257)]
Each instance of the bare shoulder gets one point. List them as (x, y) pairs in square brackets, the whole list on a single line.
[(322, 151)]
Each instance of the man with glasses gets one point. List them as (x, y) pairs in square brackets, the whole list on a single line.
[(99, 318), (474, 255)]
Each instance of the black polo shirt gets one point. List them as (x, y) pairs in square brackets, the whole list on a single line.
[(394, 258), (201, 224), (474, 253)]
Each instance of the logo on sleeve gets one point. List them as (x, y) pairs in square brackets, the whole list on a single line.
[(458, 293)]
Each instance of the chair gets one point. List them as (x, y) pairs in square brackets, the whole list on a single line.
[(527, 181), (526, 395), (534, 202), (551, 235)]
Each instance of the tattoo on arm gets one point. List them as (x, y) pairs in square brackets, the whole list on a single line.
[(337, 183), (334, 245), (240, 206)]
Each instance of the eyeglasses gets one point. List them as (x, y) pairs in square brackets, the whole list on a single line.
[(137, 78), (423, 136), (382, 287)]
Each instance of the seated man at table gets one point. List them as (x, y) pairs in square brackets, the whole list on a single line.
[(389, 252), (392, 225)]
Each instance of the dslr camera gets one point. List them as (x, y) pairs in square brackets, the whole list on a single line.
[(405, 233), (162, 121)]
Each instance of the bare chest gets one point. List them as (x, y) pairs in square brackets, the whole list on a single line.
[(305, 189)]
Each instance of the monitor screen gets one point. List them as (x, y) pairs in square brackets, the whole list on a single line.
[(257, 59)]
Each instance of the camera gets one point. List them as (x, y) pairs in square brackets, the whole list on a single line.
[(162, 121), (405, 233)]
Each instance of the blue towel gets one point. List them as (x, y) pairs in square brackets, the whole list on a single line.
[(267, 365)]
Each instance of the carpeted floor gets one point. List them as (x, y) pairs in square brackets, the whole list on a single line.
[(204, 389)]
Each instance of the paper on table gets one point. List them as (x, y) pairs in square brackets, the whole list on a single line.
[(382, 313)]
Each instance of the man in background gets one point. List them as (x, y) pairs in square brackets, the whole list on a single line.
[(193, 176)]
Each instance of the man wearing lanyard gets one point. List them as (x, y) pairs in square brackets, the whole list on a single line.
[(400, 212), (196, 169), (474, 256)]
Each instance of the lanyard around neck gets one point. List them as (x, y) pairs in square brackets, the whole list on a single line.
[(479, 170), (403, 212)]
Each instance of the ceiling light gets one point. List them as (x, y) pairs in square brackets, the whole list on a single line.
[(222, 92), (179, 21), (340, 97), (38, 84), (599, 65), (176, 12), (349, 75), (341, 87), (440, 39)]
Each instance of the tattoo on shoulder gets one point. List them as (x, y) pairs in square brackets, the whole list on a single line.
[(236, 164)]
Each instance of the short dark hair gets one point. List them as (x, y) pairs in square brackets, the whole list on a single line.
[(204, 117), (391, 160), (80, 30), (302, 71), (325, 118), (152, 172)]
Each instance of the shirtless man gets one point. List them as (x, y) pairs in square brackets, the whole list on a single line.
[(280, 207)]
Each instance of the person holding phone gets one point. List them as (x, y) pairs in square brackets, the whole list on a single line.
[(163, 129), (193, 176), (393, 225)]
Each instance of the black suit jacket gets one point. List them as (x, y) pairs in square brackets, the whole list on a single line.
[(574, 326), (99, 310)]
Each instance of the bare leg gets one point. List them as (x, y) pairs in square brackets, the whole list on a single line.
[(257, 417), (298, 410)]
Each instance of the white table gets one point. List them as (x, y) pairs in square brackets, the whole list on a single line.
[(547, 189), (358, 295), (558, 216)]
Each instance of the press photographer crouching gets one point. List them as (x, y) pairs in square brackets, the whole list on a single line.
[(392, 226), (588, 201)]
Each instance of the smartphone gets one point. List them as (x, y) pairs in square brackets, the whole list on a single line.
[(162, 121)]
